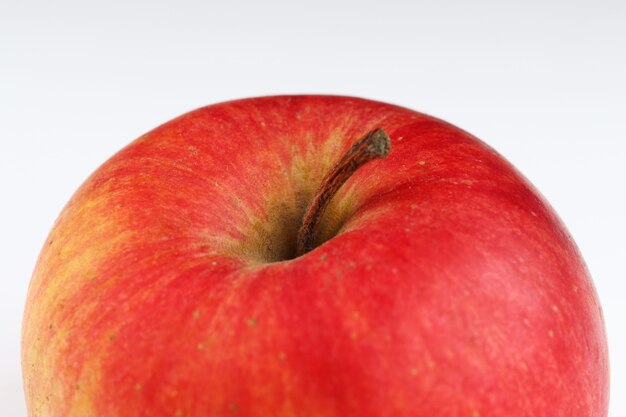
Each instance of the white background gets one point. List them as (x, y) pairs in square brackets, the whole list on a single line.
[(544, 82)]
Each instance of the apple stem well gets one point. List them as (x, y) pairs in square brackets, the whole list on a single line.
[(373, 145)]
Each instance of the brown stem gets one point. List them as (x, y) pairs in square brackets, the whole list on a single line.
[(374, 145)]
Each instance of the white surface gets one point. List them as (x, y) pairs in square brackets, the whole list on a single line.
[(544, 82)]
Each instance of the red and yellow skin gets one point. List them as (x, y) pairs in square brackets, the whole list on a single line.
[(442, 285)]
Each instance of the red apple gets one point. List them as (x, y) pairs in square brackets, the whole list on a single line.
[(439, 282)]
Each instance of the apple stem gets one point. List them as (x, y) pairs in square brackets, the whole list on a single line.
[(374, 145)]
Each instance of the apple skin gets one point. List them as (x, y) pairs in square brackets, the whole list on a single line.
[(443, 283)]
